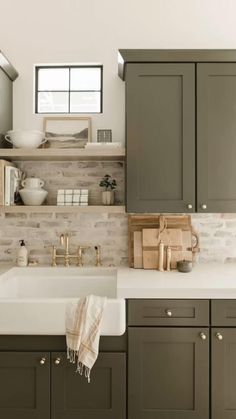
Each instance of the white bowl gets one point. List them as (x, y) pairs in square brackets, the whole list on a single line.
[(25, 138), (33, 197)]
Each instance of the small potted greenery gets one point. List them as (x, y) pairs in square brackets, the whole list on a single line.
[(108, 193)]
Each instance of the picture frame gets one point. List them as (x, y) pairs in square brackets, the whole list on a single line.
[(67, 132), (104, 135)]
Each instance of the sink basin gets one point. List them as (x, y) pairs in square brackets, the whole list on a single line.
[(33, 300)]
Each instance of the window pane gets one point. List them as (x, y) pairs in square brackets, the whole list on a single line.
[(85, 79), (53, 102), (53, 79), (85, 102)]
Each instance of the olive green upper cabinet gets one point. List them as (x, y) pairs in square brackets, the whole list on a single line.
[(7, 75), (166, 135), (160, 132), (5, 105), (216, 137)]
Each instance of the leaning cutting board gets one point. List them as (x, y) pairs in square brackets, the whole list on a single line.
[(138, 250), (151, 239), (169, 236), (142, 221)]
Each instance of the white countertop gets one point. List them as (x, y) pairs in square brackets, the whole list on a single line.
[(210, 281)]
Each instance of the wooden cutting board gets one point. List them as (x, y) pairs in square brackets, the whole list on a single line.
[(138, 250), (170, 237), (142, 221), (151, 239)]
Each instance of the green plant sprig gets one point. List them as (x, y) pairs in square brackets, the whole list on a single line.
[(108, 183)]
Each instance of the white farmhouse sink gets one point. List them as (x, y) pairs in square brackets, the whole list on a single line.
[(33, 300)]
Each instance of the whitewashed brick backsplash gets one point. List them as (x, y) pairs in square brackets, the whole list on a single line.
[(217, 231), (75, 175)]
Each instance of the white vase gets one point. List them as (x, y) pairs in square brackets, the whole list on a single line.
[(32, 192), (108, 197)]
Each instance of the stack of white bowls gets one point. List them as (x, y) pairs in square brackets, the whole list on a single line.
[(25, 138)]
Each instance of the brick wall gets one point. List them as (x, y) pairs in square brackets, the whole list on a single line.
[(217, 231)]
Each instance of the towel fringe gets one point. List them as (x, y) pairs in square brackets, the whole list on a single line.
[(71, 355), (80, 367)]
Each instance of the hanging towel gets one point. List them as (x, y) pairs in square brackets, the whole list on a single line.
[(83, 321)]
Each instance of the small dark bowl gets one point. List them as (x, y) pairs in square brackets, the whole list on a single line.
[(184, 266)]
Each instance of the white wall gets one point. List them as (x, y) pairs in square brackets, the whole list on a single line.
[(57, 31)]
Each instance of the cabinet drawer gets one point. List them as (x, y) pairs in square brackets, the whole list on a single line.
[(223, 313), (168, 312)]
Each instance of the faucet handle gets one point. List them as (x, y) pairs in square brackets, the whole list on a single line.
[(84, 247)]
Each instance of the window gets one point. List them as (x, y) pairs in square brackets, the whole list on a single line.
[(68, 89)]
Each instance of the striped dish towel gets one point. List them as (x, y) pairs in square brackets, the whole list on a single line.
[(83, 321)]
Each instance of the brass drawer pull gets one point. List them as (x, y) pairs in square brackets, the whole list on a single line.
[(57, 361), (42, 361)]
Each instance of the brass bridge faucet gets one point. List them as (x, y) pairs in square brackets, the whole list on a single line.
[(66, 256), (64, 240)]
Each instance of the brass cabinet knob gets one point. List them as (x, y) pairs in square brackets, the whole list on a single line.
[(42, 361), (219, 336), (189, 206), (169, 313), (57, 361), (203, 336), (203, 206)]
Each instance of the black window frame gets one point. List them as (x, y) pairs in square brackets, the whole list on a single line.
[(36, 90)]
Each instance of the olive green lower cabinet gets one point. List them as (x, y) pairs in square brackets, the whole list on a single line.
[(181, 365), (24, 385), (168, 373), (224, 373), (103, 398), (43, 385)]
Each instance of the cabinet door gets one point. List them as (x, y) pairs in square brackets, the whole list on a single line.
[(5, 105), (223, 373), (103, 398), (24, 385), (168, 373), (160, 133), (216, 144)]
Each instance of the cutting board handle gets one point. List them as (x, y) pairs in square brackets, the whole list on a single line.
[(195, 248)]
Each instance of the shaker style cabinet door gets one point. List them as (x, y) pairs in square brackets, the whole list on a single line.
[(216, 137), (103, 398), (24, 385), (5, 105), (160, 135), (168, 373), (223, 373)]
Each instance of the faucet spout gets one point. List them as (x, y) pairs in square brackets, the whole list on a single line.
[(64, 240)]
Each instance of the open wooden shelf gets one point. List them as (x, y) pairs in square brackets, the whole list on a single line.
[(16, 209), (48, 154)]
